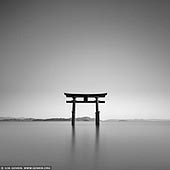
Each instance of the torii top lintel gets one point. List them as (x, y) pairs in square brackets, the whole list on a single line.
[(85, 95)]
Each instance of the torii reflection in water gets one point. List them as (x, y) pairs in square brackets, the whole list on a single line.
[(97, 139)]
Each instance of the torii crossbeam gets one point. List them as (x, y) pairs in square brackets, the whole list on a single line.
[(85, 100)]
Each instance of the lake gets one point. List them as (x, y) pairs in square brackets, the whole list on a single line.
[(113, 146)]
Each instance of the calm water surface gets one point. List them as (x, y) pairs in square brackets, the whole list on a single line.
[(113, 146)]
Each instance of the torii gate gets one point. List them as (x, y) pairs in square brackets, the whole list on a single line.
[(85, 100)]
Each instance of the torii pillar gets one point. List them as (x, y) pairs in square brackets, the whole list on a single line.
[(73, 111), (85, 100), (97, 112)]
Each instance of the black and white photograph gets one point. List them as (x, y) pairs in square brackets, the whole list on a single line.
[(84, 85)]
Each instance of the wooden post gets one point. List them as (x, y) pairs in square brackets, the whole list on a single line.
[(97, 112), (73, 111)]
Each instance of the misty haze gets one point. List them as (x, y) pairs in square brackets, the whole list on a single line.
[(110, 59)]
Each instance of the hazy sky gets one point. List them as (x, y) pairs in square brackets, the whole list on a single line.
[(51, 47)]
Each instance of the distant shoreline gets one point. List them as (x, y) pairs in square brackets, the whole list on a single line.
[(86, 118), (5, 119)]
